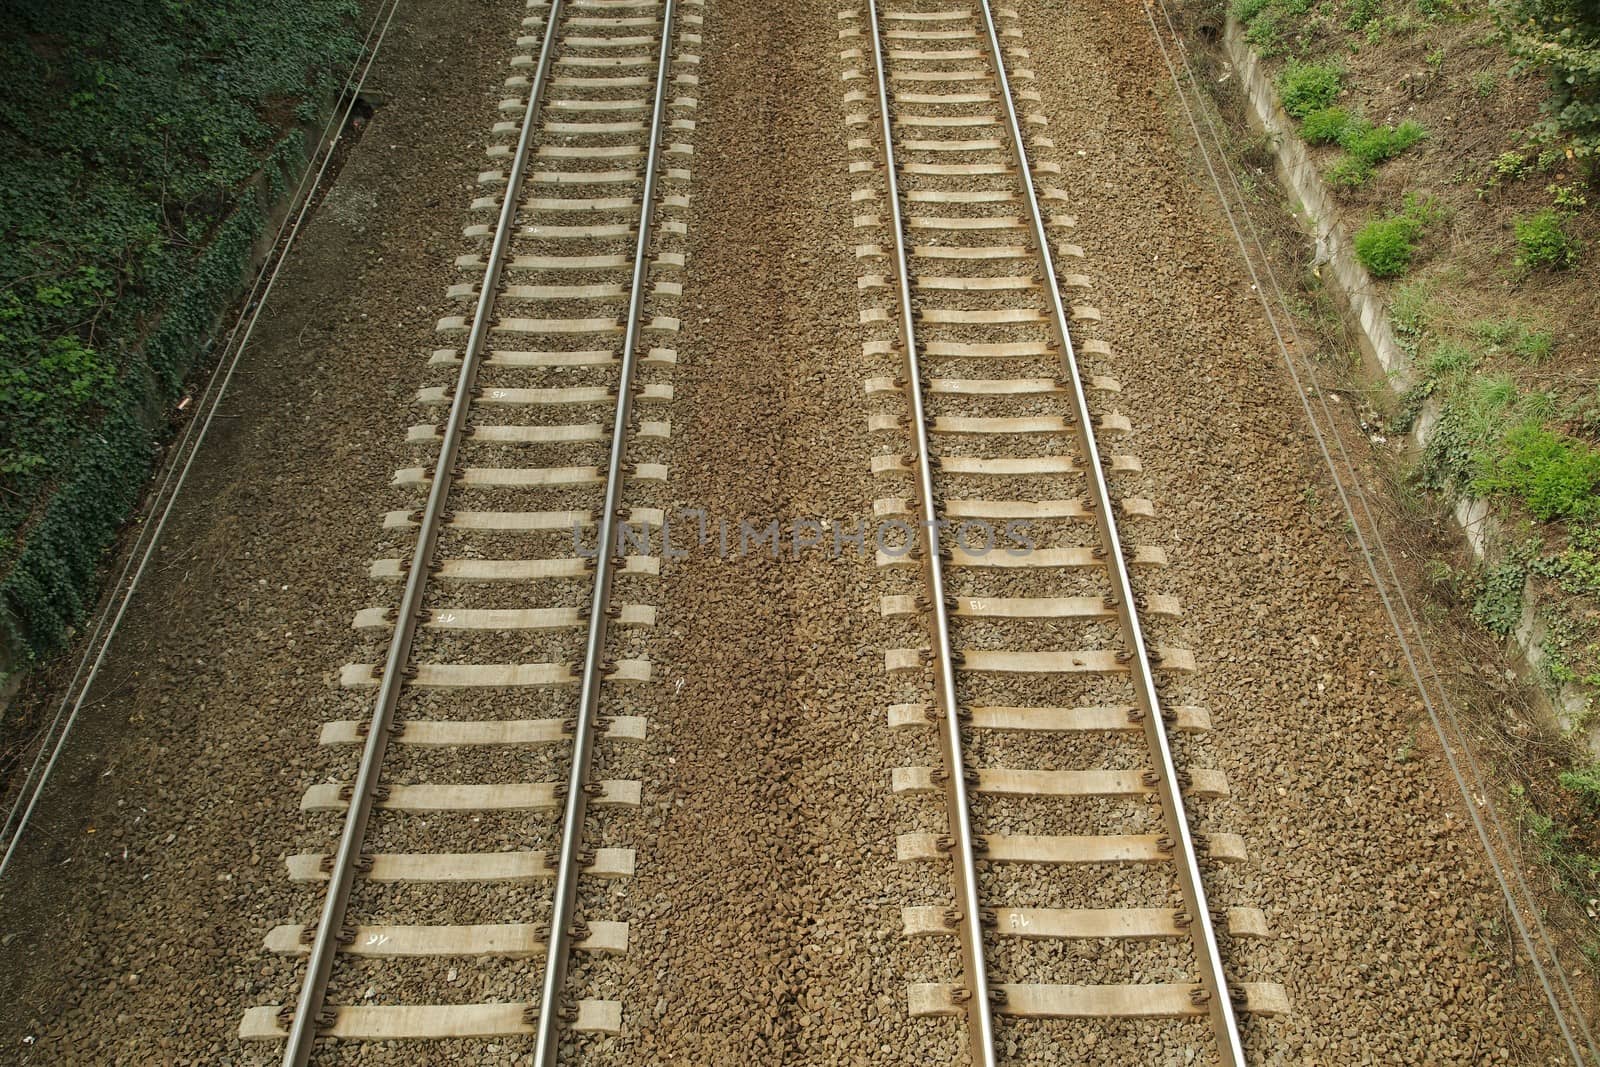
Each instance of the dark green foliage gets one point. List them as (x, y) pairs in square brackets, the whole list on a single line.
[(129, 137), (1576, 569), (1307, 87), (1497, 603), (1562, 39), (1471, 425), (1543, 241)]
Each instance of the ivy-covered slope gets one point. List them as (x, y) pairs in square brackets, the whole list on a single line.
[(133, 137)]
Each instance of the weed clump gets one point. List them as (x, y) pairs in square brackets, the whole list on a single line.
[(1385, 246), (1307, 87), (1325, 125), (1556, 476), (1583, 783), (1361, 13), (1544, 243), (1372, 145), (1366, 146)]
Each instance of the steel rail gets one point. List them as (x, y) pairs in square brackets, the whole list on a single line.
[(1373, 548), (330, 925), (1213, 980), (568, 867), (979, 1005)]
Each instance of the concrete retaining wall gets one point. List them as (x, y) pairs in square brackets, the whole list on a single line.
[(1323, 219)]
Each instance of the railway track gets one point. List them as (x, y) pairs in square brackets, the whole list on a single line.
[(1064, 783), (541, 448)]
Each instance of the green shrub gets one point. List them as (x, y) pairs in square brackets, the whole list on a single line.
[(1325, 125), (1562, 39), (1265, 33), (1372, 145), (1543, 241), (1554, 475), (1307, 87), (1584, 783), (1246, 10), (1350, 172), (1361, 13), (1384, 246)]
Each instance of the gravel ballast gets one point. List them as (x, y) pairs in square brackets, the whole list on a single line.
[(765, 910)]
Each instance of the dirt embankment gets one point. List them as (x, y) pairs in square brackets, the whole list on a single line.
[(156, 862), (765, 911)]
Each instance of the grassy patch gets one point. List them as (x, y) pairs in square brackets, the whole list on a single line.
[(1543, 241), (1514, 336), (1472, 420), (1576, 871), (1411, 309), (1385, 246), (1307, 87), (1554, 475)]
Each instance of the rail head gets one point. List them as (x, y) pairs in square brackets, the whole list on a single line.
[(575, 808), (1213, 979), (310, 1003), (963, 854)]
